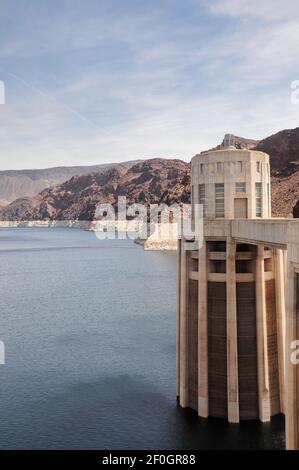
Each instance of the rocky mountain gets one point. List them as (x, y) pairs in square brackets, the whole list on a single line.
[(27, 183), (285, 195), (148, 182), (151, 181), (283, 149)]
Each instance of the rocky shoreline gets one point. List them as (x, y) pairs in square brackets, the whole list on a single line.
[(45, 223), (158, 241)]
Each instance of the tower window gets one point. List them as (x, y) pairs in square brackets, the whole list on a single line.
[(258, 167), (201, 168), (258, 199), (240, 187), (202, 197), (240, 167), (219, 199)]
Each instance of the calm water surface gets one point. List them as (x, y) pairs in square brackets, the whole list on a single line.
[(89, 329)]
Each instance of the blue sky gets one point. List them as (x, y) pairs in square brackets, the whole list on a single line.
[(111, 80)]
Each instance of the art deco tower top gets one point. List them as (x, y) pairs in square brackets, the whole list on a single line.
[(232, 183)]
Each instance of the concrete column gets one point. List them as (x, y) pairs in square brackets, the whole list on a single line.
[(265, 205), (269, 192), (203, 392), (232, 345), (249, 191), (280, 316), (178, 319), (229, 192), (262, 350), (292, 382), (183, 372)]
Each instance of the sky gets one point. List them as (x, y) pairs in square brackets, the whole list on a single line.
[(96, 81)]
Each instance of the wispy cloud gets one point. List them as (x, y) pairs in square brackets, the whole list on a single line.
[(267, 10), (119, 79)]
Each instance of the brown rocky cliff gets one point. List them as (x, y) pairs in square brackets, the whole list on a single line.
[(148, 182), (16, 184), (283, 149)]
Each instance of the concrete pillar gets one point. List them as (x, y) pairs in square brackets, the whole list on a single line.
[(292, 379), (269, 193), (251, 185), (183, 372), (265, 204), (232, 345), (262, 350), (281, 317), (178, 280), (203, 392), (229, 190)]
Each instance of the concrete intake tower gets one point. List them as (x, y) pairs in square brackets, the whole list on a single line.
[(231, 293)]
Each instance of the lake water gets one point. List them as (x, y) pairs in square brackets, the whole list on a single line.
[(89, 329)]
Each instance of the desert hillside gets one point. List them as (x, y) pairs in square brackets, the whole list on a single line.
[(15, 184), (148, 182)]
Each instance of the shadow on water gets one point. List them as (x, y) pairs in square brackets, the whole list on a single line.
[(126, 412), (213, 433)]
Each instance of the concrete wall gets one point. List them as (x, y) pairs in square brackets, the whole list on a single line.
[(231, 166)]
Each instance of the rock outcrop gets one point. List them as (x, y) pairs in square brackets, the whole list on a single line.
[(283, 149), (148, 182), (15, 184)]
